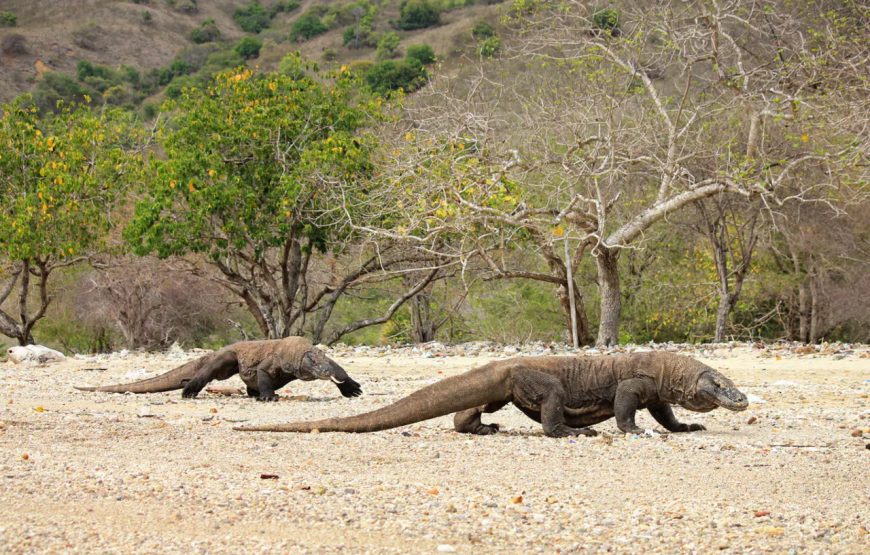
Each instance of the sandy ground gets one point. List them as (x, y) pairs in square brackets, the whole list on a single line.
[(97, 472)]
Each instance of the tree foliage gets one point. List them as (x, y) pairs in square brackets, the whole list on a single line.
[(60, 176)]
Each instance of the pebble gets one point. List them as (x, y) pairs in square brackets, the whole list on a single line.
[(446, 548)]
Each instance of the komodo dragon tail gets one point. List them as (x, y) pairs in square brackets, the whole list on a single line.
[(174, 379), (472, 389)]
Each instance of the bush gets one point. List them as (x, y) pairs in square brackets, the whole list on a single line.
[(85, 69), (330, 55), (482, 30), (207, 32), (55, 87), (252, 18), (388, 46), (177, 86), (147, 17), (248, 47), (422, 53), (8, 19), (14, 44), (490, 47), (286, 6), (149, 110), (307, 26), (224, 59), (417, 14), (391, 75), (607, 20)]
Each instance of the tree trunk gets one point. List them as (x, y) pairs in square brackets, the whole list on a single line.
[(584, 334), (722, 312), (815, 306), (611, 303), (422, 324)]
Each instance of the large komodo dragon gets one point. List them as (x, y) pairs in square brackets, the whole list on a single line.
[(264, 366), (563, 393)]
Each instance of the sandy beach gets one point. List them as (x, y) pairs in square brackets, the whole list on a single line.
[(98, 472)]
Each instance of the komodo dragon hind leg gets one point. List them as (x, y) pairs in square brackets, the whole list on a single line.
[(468, 421), (220, 367), (538, 389), (665, 416)]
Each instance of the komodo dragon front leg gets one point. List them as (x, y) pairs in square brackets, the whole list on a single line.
[(641, 392), (221, 366), (665, 416), (535, 391)]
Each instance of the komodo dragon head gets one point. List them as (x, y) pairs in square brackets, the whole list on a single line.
[(715, 390), (317, 366)]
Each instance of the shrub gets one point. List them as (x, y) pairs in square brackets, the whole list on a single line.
[(207, 32), (118, 95), (85, 69), (286, 6), (388, 46), (8, 19), (391, 75), (417, 14), (607, 20), (55, 87), (248, 47), (482, 30), (14, 44), (177, 86), (422, 53), (307, 26), (490, 47), (252, 18), (223, 59), (149, 110), (147, 17), (330, 55)]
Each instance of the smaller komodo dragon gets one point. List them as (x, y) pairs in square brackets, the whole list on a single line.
[(564, 393), (264, 367)]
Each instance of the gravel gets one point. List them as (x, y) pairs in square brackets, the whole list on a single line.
[(97, 472)]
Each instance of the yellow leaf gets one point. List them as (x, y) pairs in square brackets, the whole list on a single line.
[(172, 184), (39, 409), (805, 137), (558, 231), (273, 86), (212, 173), (190, 187)]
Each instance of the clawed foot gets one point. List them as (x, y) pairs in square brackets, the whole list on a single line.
[(350, 388), (691, 428), (486, 429), (190, 392), (267, 398), (567, 431)]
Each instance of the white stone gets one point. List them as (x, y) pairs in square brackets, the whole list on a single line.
[(34, 353)]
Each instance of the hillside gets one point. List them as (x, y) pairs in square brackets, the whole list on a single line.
[(50, 36)]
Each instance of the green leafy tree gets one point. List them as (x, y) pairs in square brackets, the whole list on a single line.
[(307, 26), (260, 171), (423, 53), (248, 47), (417, 14), (60, 175), (388, 46), (252, 18)]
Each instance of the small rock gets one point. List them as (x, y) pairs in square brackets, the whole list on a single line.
[(446, 548), (145, 412), (752, 420), (857, 433)]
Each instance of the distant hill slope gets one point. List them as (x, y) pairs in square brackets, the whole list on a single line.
[(51, 35)]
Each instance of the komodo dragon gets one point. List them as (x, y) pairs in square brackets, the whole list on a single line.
[(264, 366), (564, 393)]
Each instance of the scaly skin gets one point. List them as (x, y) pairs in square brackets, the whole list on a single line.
[(264, 366), (565, 394)]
